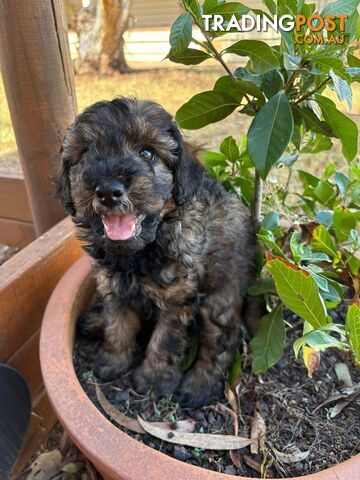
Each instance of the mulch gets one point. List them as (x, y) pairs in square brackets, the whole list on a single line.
[(301, 438)]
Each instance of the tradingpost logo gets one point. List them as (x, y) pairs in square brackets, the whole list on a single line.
[(308, 30)]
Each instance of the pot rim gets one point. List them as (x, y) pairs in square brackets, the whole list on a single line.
[(112, 451)]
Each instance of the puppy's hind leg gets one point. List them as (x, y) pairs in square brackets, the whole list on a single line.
[(204, 382), (91, 324)]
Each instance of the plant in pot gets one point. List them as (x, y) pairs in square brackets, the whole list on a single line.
[(308, 272)]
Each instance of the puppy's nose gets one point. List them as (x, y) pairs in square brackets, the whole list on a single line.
[(109, 193)]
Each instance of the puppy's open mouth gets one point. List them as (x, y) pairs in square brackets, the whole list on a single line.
[(119, 226)]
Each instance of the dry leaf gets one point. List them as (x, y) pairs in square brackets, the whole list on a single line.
[(311, 360), (234, 454), (250, 462), (343, 374), (258, 431), (118, 417), (197, 440), (232, 397), (339, 407), (45, 466), (293, 457), (187, 425), (348, 394)]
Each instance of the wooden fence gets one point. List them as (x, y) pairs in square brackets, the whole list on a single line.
[(16, 223)]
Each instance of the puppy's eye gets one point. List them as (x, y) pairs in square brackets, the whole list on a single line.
[(146, 154)]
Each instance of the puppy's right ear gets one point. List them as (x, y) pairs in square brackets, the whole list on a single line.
[(62, 184)]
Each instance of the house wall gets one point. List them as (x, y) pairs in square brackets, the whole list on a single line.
[(147, 40)]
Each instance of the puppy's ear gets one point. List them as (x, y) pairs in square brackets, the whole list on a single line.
[(62, 184), (188, 171)]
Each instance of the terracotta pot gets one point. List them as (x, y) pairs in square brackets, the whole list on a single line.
[(115, 454)]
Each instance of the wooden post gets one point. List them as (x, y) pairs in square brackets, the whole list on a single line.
[(39, 84)]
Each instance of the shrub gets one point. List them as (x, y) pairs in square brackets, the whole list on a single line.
[(311, 252)]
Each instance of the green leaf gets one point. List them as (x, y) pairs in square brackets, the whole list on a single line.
[(345, 7), (270, 5), (298, 290), (322, 242), (292, 62), (263, 285), (243, 74), (353, 329), (342, 88), (307, 179), (343, 221), (193, 7), (268, 343), (342, 182), (342, 126), (287, 160), (271, 221), (71, 468), (205, 108), (313, 123), (319, 341), (261, 55), (354, 73), (353, 263), (180, 33), (235, 372), (325, 193), (272, 82), (230, 149), (238, 88), (209, 5), (227, 10), (353, 61), (213, 159), (190, 56), (267, 237), (325, 217), (330, 63), (270, 133)]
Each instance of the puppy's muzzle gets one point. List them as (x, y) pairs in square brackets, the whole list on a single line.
[(109, 193)]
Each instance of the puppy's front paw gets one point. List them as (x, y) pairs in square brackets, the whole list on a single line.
[(198, 388), (109, 366), (161, 381)]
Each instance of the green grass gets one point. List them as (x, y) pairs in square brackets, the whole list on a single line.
[(171, 88)]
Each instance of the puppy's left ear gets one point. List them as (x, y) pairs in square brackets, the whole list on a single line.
[(188, 171)]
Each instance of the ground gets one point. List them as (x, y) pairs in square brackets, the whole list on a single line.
[(170, 87)]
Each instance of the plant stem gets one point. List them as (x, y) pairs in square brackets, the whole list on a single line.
[(219, 58), (309, 94), (257, 200), (287, 184)]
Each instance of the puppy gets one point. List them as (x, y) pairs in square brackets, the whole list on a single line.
[(171, 248)]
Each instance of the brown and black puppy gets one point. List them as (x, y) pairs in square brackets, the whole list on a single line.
[(170, 246)]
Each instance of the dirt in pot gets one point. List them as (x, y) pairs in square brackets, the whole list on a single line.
[(301, 425)]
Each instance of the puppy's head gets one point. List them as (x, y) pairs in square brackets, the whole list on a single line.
[(121, 163)]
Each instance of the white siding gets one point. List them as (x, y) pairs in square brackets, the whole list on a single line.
[(154, 13)]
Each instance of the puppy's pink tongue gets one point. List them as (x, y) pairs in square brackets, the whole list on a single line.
[(119, 227)]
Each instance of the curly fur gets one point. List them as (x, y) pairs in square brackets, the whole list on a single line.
[(191, 264)]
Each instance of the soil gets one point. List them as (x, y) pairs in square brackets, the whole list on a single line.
[(286, 398)]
